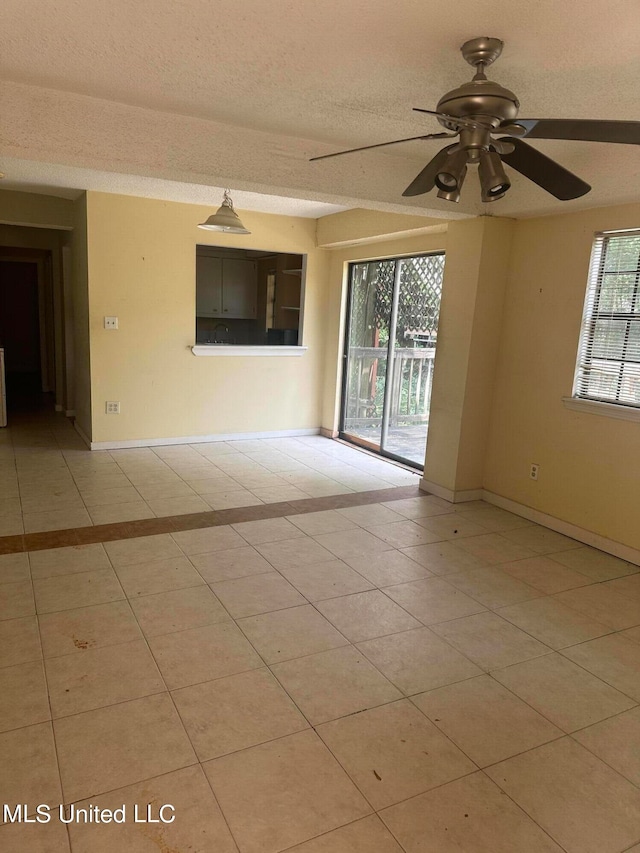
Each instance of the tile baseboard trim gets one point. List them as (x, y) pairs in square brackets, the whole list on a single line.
[(196, 439), (450, 495), (588, 537)]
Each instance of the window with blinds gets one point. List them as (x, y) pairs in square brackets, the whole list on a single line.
[(608, 367)]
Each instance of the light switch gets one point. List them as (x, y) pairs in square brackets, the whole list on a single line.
[(111, 322)]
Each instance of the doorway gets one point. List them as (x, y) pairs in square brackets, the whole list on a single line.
[(23, 328), (390, 346)]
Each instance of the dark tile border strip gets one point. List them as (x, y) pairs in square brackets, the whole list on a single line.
[(176, 523)]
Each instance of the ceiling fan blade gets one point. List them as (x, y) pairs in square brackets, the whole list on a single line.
[(425, 180), (382, 145), (583, 130), (543, 171)]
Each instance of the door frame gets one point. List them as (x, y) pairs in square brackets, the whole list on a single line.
[(344, 380)]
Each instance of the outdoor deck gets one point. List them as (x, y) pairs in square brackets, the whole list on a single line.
[(407, 442), (403, 433)]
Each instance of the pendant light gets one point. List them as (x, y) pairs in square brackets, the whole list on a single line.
[(225, 219)]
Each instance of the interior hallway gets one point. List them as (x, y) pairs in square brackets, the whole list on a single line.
[(364, 672)]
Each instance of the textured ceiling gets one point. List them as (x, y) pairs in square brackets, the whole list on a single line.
[(70, 181), (241, 94)]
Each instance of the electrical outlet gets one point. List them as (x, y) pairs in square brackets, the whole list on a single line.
[(112, 408), (111, 322), (533, 471)]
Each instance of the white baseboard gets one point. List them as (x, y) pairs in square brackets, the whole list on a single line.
[(450, 495), (197, 439), (78, 429), (588, 537), (610, 546)]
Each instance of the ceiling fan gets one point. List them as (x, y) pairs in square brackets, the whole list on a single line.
[(481, 110)]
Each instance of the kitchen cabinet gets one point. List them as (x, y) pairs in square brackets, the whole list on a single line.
[(226, 288), (208, 286), (239, 288)]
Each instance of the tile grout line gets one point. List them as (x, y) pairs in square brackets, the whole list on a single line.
[(46, 684), (502, 791), (328, 832), (598, 757)]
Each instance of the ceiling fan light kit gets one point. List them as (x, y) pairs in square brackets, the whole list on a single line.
[(452, 174), (493, 179), (450, 195), (479, 110)]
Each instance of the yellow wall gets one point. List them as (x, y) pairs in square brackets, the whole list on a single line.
[(589, 464), (80, 299), (363, 226), (142, 270), (473, 288), (45, 211)]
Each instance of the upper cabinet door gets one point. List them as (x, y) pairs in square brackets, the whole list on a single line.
[(208, 286), (239, 288)]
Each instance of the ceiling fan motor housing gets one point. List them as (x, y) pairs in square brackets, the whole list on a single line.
[(482, 99)]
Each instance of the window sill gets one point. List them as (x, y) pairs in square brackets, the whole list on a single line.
[(235, 349), (607, 410)]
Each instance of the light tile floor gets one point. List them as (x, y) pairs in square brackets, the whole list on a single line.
[(411, 676), (49, 480)]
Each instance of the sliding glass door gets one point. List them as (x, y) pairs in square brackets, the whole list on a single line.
[(389, 354)]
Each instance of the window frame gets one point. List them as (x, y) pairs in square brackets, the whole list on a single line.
[(584, 396)]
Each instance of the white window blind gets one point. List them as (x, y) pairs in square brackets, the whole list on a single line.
[(608, 367)]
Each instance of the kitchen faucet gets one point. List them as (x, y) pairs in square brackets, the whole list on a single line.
[(225, 336)]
